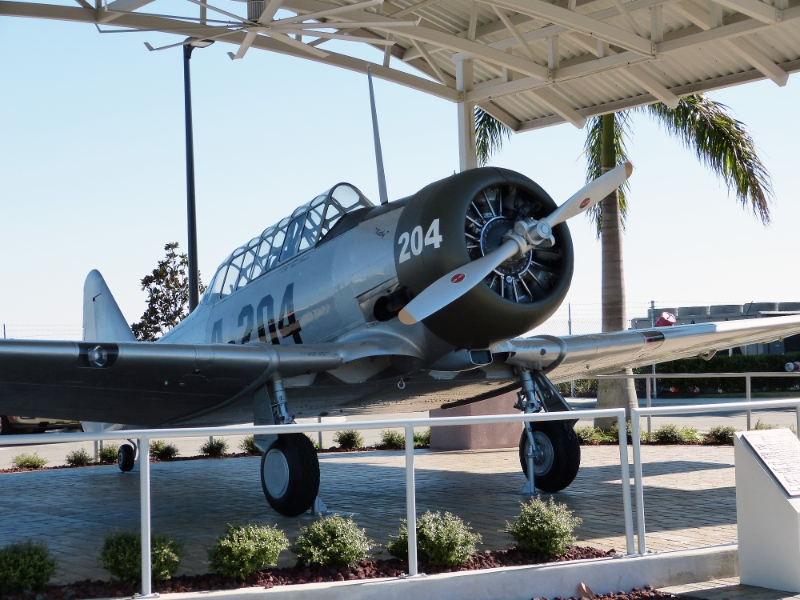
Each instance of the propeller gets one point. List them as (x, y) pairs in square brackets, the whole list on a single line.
[(525, 235)]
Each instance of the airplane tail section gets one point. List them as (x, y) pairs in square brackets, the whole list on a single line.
[(102, 319)]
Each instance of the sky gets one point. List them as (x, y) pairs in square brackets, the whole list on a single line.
[(92, 172)]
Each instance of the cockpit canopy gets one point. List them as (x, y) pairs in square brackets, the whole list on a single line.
[(292, 236)]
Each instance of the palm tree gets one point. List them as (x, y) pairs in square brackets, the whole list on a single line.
[(720, 142)]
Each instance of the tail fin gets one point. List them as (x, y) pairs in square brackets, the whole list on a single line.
[(102, 319)]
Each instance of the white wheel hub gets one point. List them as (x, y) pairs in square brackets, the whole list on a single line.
[(276, 473)]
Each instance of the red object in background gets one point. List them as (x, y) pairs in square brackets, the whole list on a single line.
[(666, 320)]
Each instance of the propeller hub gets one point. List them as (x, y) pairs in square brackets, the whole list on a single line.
[(493, 234)]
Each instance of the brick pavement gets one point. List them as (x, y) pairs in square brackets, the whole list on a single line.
[(689, 498), (721, 589)]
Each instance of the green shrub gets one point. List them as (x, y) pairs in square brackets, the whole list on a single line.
[(393, 439), (214, 447), (25, 566), (349, 440), (332, 541), (79, 458), (443, 540), (108, 453), (669, 433), (245, 550), (248, 445), (121, 556), (161, 450), (760, 425), (28, 461), (543, 528), (422, 439), (594, 435), (721, 434)]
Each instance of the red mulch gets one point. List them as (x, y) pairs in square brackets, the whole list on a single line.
[(634, 594), (364, 569)]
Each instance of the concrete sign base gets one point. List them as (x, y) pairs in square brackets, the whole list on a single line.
[(768, 509)]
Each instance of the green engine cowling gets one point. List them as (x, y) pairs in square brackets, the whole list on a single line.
[(459, 219)]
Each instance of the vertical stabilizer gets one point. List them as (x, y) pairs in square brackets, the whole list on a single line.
[(102, 319)]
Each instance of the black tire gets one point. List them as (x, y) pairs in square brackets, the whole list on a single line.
[(6, 428), (558, 456), (126, 457), (290, 474)]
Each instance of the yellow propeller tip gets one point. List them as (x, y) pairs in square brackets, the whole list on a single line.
[(406, 318), (628, 169)]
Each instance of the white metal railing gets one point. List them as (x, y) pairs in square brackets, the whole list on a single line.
[(637, 413), (143, 437)]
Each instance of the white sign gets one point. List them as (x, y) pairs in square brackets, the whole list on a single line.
[(779, 451)]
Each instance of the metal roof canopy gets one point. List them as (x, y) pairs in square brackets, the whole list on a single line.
[(528, 63)]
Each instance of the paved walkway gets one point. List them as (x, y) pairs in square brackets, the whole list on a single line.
[(730, 589)]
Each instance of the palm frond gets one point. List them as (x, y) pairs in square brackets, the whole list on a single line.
[(721, 143), (489, 133), (593, 148)]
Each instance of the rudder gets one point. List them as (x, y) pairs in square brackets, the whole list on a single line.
[(102, 319)]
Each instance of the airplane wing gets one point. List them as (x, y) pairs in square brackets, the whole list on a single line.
[(150, 383), (581, 356)]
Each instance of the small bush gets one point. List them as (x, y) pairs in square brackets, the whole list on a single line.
[(244, 550), (594, 435), (720, 434), (669, 433), (248, 445), (760, 425), (443, 540), (28, 461), (393, 439), (543, 528), (108, 453), (215, 447), (25, 566), (121, 556), (79, 458), (332, 541), (349, 440), (422, 439), (161, 450)]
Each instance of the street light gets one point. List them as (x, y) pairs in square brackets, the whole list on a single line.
[(194, 288)]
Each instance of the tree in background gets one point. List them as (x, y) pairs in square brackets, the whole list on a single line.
[(720, 142), (167, 296)]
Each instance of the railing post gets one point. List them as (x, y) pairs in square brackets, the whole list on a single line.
[(144, 488), (797, 412), (626, 482), (747, 393), (649, 404), (411, 502), (637, 480)]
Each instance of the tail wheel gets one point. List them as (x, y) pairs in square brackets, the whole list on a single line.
[(557, 458), (126, 457), (290, 474)]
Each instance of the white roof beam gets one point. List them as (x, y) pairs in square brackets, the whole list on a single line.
[(500, 114), (637, 29), (759, 60), (691, 12), (753, 8), (641, 75), (549, 97), (413, 8), (515, 32), (581, 23), (584, 41), (552, 52), (119, 7), (657, 24), (432, 63)]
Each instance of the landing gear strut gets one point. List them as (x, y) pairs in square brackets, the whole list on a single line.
[(549, 451), (289, 466)]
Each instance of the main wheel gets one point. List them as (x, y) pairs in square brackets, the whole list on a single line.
[(290, 474), (557, 458), (126, 457), (6, 428)]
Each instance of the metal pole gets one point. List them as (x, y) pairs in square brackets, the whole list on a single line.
[(569, 329), (376, 136), (144, 485), (626, 483), (747, 394), (797, 410), (637, 480), (649, 404), (319, 434), (191, 212), (653, 324), (411, 502)]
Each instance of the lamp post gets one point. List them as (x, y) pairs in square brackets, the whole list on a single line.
[(194, 287)]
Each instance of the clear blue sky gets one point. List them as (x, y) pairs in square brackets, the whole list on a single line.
[(92, 170)]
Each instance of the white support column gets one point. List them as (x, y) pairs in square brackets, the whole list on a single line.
[(552, 52), (467, 158), (657, 24)]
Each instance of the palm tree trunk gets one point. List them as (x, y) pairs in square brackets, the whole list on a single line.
[(612, 393)]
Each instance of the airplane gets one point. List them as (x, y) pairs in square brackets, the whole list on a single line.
[(346, 307)]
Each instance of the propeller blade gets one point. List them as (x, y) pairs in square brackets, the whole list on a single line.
[(248, 41), (590, 195), (455, 284)]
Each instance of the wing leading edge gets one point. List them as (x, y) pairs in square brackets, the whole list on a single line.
[(580, 356)]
